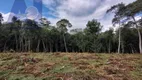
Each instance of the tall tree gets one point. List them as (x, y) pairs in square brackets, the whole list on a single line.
[(132, 10), (119, 11), (92, 31), (93, 27), (30, 28), (109, 39), (1, 19), (44, 34), (62, 26), (16, 27)]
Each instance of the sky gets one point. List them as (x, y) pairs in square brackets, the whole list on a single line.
[(78, 12)]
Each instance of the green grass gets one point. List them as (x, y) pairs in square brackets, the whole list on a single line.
[(70, 66)]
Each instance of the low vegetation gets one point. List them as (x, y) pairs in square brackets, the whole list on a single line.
[(73, 66), (44, 46)]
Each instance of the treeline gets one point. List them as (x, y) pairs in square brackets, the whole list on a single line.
[(29, 35)]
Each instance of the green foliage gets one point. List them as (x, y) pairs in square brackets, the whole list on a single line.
[(31, 36), (93, 27)]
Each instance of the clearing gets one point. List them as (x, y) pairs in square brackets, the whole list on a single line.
[(70, 66)]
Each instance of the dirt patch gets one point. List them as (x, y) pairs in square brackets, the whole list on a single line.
[(80, 63), (32, 69), (87, 57), (122, 64), (26, 60), (84, 67), (112, 70), (58, 54), (32, 60), (48, 66)]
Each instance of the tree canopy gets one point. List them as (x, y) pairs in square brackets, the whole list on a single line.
[(30, 35)]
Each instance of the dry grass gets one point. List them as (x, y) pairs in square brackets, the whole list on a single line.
[(70, 66)]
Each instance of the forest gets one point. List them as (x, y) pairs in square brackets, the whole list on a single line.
[(33, 49), (32, 36)]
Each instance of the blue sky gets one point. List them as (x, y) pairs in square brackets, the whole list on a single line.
[(79, 12), (6, 5)]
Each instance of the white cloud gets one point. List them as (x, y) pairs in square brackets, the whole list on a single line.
[(79, 12), (79, 8), (7, 17), (30, 13)]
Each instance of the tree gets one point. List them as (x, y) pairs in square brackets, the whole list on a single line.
[(129, 39), (62, 26), (119, 11), (132, 10), (44, 36), (16, 27), (30, 27), (1, 19), (93, 27), (79, 40), (108, 35), (29, 35), (92, 31)]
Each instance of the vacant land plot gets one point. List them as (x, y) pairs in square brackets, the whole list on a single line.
[(70, 66)]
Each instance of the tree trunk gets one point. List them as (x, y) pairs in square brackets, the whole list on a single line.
[(123, 50), (109, 48), (20, 45), (26, 45), (22, 42), (50, 47), (131, 47), (56, 46), (65, 43), (43, 46), (5, 45), (37, 49), (29, 45), (139, 34), (16, 39), (119, 45)]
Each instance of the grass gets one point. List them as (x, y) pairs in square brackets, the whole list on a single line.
[(73, 66)]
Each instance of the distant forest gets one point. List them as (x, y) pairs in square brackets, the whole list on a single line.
[(31, 36)]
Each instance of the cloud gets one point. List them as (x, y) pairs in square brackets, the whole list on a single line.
[(79, 12), (31, 13), (7, 17), (79, 8)]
